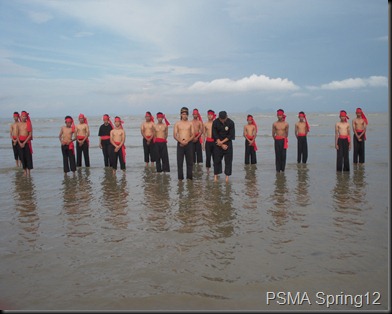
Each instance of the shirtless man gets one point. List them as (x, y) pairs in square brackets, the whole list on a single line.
[(147, 131), (117, 139), (301, 131), (14, 138), (25, 135), (359, 127), (342, 142), (67, 138), (82, 135), (280, 133), (198, 139), (184, 133), (209, 143), (250, 133), (160, 134)]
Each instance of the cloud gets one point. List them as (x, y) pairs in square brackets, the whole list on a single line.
[(83, 34), (354, 83), (246, 84), (39, 17)]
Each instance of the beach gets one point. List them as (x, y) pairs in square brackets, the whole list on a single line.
[(147, 241)]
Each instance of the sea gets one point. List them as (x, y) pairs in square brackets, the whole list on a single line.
[(309, 238)]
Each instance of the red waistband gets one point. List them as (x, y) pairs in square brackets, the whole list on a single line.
[(301, 134), (209, 139), (160, 140), (105, 137), (278, 137)]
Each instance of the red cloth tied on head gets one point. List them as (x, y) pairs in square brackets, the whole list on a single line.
[(150, 115), (161, 115), (281, 113), (196, 112), (213, 114), (359, 110), (117, 119), (106, 117), (302, 115), (82, 116), (343, 114)]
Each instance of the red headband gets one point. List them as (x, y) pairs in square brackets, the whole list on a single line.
[(213, 114), (281, 113), (161, 115), (16, 115), (81, 116)]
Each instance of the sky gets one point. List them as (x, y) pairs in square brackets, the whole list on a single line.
[(125, 57)]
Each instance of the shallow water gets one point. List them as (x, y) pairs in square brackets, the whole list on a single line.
[(142, 240)]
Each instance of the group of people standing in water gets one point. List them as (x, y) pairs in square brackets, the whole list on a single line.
[(214, 137)]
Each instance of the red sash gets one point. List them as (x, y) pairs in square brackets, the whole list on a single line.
[(80, 137), (160, 140), (286, 141), (249, 137), (23, 138), (301, 134), (124, 153), (209, 139), (105, 137), (343, 137), (71, 147), (360, 131)]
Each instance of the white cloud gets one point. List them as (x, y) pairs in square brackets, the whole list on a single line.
[(246, 84), (39, 17), (354, 83), (83, 34)]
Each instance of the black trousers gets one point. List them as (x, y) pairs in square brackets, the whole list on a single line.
[(149, 151), (15, 148), (162, 158), (25, 156), (197, 152), (359, 149), (250, 154), (106, 152), (79, 150), (187, 153), (342, 161), (227, 155), (302, 149), (280, 155), (114, 156), (209, 147), (68, 159)]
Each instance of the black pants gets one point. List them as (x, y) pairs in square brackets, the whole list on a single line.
[(79, 150), (114, 156), (209, 147), (68, 159), (359, 149), (280, 155), (342, 161), (302, 149), (250, 153), (25, 156), (15, 148), (106, 152), (187, 153), (197, 152), (162, 158), (149, 151), (227, 154)]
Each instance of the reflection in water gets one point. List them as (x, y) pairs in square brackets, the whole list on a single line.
[(156, 198), (301, 191), (347, 219), (219, 214), (251, 187), (359, 191), (26, 206), (280, 200), (115, 199), (76, 204)]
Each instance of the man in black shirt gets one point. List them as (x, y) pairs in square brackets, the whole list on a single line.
[(223, 133), (104, 138)]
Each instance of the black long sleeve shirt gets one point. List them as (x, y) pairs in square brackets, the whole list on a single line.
[(222, 130)]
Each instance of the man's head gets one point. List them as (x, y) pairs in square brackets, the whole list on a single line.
[(222, 115), (184, 113)]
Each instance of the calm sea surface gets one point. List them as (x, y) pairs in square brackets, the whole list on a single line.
[(145, 241)]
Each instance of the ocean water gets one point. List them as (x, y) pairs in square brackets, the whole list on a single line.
[(146, 241)]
